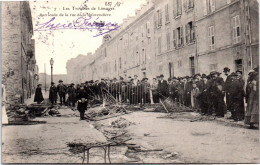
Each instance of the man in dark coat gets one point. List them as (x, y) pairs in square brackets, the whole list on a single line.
[(72, 95), (187, 85), (174, 89), (38, 94), (53, 93), (82, 98), (61, 89), (217, 93), (203, 96), (227, 80), (237, 94), (162, 87)]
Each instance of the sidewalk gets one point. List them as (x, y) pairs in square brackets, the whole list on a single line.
[(31, 100)]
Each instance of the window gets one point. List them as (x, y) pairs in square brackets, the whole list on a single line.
[(159, 16), (190, 33), (236, 29), (179, 7), (190, 4), (192, 66), (180, 36), (143, 56), (126, 40), (142, 32), (211, 33), (120, 63), (213, 67), (105, 52), (159, 45), (210, 6), (174, 39), (137, 58), (148, 30), (167, 18), (168, 38), (179, 63), (160, 68), (115, 66)]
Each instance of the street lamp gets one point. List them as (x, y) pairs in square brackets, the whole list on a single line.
[(51, 62)]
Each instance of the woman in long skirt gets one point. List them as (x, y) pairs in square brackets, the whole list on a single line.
[(252, 89), (38, 94)]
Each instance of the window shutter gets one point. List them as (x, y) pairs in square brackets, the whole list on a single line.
[(234, 29), (193, 33), (174, 39), (148, 29), (155, 20), (185, 4), (174, 7), (187, 33), (181, 31), (160, 12), (205, 7), (213, 5), (191, 3)]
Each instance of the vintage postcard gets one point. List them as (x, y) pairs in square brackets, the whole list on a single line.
[(130, 81)]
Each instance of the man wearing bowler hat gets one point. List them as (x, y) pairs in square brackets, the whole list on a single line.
[(61, 89)]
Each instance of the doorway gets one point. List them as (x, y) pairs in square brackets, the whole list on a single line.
[(192, 66), (171, 70)]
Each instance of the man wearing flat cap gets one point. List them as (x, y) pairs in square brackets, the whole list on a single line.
[(53, 93), (61, 89)]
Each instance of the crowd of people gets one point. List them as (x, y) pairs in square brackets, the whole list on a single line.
[(212, 94)]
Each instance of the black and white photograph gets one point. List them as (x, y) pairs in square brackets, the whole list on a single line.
[(130, 82)]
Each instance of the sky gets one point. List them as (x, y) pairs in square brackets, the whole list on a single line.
[(64, 44)]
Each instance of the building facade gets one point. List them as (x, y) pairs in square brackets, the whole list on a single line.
[(19, 69), (181, 38)]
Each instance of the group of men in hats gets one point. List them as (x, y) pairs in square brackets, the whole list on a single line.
[(215, 93)]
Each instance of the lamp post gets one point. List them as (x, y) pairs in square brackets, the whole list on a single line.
[(51, 62)]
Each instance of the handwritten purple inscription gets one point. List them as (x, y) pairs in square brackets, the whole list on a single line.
[(80, 23)]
